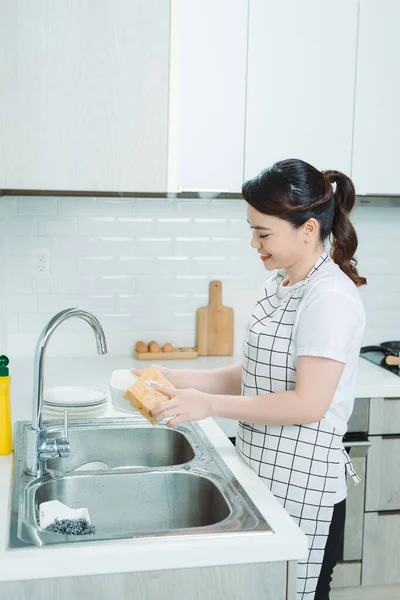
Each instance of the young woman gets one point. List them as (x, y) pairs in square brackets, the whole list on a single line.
[(294, 392)]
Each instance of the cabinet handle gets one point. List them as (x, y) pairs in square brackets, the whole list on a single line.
[(386, 513), (361, 444)]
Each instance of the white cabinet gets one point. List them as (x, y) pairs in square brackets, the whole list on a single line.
[(377, 122), (84, 100), (301, 74), (207, 94)]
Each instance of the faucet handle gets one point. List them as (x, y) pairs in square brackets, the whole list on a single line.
[(62, 445), (65, 435)]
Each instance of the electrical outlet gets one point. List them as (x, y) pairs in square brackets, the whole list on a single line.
[(41, 264)]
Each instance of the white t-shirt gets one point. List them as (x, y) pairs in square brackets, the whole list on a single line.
[(330, 322)]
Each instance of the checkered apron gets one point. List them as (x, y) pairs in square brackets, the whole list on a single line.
[(299, 463)]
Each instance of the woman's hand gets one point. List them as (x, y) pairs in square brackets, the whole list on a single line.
[(183, 405), (171, 374)]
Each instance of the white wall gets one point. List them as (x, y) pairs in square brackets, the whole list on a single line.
[(3, 336), (143, 267)]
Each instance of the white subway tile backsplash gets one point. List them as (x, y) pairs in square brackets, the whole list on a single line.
[(55, 303), (8, 206), (231, 208), (115, 207), (135, 226), (154, 246), (44, 286), (22, 303), (17, 284), (118, 284), (77, 207), (193, 208), (115, 246), (16, 225), (99, 303), (77, 245), (57, 226), (146, 283), (143, 266), (20, 264), (146, 207), (96, 265), (36, 205), (97, 226)]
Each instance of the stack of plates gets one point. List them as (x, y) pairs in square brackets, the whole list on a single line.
[(81, 402)]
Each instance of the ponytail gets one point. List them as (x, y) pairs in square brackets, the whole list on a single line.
[(344, 237), (296, 191)]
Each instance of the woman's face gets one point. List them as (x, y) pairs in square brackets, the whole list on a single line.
[(279, 244)]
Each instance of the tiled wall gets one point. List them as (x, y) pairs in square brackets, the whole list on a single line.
[(143, 266)]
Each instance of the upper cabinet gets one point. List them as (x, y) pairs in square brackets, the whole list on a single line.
[(207, 94), (376, 160), (84, 101), (300, 83)]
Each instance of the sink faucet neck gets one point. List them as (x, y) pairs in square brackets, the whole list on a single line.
[(38, 447)]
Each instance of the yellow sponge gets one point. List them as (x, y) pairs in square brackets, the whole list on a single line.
[(143, 398)]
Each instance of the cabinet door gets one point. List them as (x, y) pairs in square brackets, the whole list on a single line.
[(381, 556), (383, 481), (384, 416), (377, 117), (346, 574), (207, 94), (84, 105), (300, 91)]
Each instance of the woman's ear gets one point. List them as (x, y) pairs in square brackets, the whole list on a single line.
[(311, 229)]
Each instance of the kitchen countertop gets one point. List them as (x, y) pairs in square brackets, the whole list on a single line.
[(124, 556), (287, 542)]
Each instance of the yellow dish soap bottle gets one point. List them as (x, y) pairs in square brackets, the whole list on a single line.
[(5, 408)]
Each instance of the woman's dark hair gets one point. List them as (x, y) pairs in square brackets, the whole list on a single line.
[(296, 191)]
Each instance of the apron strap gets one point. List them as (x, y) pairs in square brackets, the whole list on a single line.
[(350, 469)]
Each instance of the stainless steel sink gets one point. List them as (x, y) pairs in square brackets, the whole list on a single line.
[(119, 447), (158, 482)]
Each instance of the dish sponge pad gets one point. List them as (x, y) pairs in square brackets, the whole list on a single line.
[(142, 397)]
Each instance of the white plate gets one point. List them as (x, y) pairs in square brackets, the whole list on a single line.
[(73, 396), (84, 412)]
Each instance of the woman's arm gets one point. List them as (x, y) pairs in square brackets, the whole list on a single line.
[(226, 380), (316, 382)]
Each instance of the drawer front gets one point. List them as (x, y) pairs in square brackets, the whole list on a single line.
[(383, 475), (346, 574), (352, 544), (381, 556), (384, 416)]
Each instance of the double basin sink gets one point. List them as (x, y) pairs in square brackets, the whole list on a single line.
[(136, 481)]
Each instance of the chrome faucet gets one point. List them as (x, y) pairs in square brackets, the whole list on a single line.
[(38, 447)]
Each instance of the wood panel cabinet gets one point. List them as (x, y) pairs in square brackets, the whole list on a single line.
[(384, 416), (207, 94), (377, 122), (381, 556), (300, 90), (383, 474), (84, 101)]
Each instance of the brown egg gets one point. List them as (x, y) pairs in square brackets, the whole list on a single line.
[(168, 348), (154, 347), (141, 347)]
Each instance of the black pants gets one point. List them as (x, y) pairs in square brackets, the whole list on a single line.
[(332, 550)]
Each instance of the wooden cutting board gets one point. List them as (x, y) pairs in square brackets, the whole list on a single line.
[(215, 325)]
